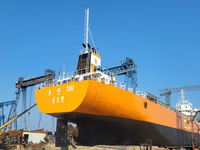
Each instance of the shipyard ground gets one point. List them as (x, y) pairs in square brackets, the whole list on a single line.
[(51, 146)]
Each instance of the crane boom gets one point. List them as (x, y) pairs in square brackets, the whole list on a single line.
[(23, 83), (178, 89), (167, 92)]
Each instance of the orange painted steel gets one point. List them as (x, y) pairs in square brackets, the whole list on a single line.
[(92, 97), (95, 54)]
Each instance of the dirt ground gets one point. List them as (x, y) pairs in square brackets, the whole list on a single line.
[(97, 147), (51, 146)]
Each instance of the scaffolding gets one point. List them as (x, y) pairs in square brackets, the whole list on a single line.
[(195, 134), (127, 68), (2, 104), (167, 92), (22, 85)]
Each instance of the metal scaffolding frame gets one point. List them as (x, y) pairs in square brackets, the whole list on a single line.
[(167, 92), (24, 92), (195, 140), (127, 68), (22, 85), (2, 104)]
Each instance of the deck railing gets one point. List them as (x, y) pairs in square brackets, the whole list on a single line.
[(115, 83)]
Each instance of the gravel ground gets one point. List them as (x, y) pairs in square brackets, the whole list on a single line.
[(50, 146), (100, 147)]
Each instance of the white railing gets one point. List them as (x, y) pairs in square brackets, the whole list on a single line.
[(115, 83), (82, 51), (141, 93), (66, 75), (85, 72), (79, 72)]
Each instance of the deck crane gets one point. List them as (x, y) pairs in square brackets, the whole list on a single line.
[(167, 92), (22, 85), (127, 68)]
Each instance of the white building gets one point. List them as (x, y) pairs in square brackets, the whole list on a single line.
[(34, 137)]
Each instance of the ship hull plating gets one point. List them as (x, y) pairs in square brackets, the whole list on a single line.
[(106, 114), (101, 130)]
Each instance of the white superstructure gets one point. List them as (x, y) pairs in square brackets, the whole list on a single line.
[(185, 107)]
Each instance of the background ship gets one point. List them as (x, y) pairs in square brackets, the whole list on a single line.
[(108, 112)]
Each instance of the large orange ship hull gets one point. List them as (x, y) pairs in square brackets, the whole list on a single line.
[(106, 114)]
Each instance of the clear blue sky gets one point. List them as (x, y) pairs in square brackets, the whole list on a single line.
[(162, 37)]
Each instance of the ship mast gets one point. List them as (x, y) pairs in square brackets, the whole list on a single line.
[(86, 29)]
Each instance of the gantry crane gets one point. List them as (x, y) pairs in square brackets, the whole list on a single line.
[(16, 117), (127, 68), (2, 104), (22, 85), (167, 92)]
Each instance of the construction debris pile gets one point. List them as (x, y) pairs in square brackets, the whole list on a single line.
[(23, 136)]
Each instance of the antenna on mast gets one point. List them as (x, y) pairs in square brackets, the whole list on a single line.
[(86, 29)]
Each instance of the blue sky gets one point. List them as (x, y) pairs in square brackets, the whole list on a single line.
[(161, 36)]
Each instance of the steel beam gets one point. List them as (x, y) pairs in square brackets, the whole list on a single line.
[(14, 109), (22, 84), (167, 92), (2, 104), (195, 143), (24, 90), (127, 68), (178, 89)]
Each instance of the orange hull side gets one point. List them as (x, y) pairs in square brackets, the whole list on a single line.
[(91, 97)]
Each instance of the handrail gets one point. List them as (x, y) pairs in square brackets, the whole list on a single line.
[(115, 83)]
